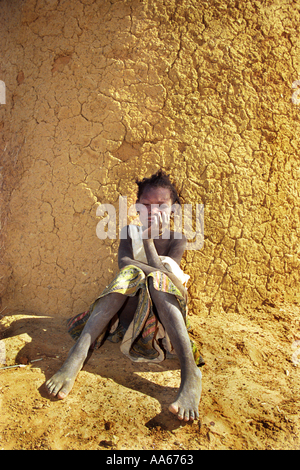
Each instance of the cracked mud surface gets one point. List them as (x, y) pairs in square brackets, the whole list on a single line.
[(98, 93)]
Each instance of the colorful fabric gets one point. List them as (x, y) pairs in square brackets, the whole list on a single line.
[(145, 339)]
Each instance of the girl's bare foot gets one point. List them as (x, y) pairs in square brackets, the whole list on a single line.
[(62, 382), (187, 402)]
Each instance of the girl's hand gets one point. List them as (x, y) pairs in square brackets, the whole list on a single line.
[(160, 222)]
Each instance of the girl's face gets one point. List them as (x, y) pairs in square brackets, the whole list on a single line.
[(155, 202)]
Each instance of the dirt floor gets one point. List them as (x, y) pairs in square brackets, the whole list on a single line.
[(250, 396)]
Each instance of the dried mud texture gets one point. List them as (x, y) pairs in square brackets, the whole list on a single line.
[(100, 92)]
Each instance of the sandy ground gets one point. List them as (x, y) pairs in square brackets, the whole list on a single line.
[(250, 396)]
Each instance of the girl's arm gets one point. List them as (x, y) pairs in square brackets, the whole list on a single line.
[(125, 257), (153, 257), (176, 248), (175, 252)]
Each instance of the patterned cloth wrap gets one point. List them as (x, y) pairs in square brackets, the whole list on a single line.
[(145, 340)]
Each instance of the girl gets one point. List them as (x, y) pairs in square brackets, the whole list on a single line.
[(145, 305)]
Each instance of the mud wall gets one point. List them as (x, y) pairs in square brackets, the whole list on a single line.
[(99, 92)]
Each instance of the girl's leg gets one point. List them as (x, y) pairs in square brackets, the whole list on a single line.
[(105, 308), (187, 402)]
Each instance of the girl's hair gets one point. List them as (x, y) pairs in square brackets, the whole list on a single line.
[(160, 179)]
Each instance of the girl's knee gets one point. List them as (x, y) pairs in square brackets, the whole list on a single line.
[(159, 297), (153, 292)]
